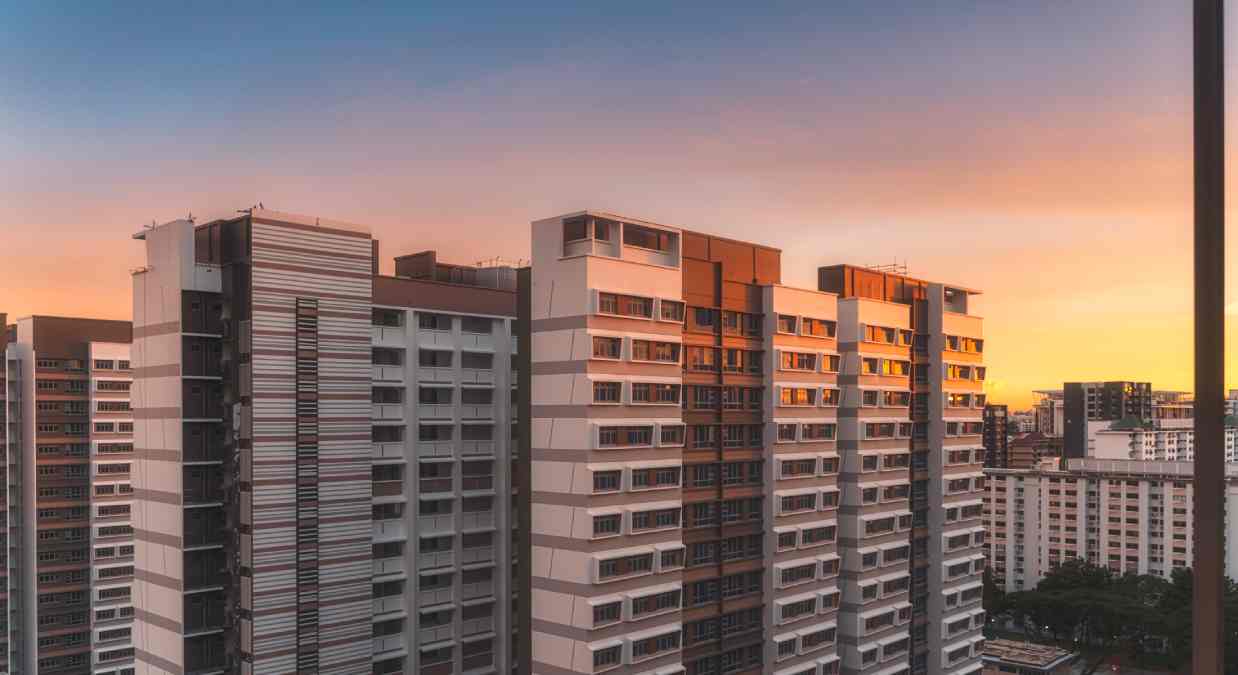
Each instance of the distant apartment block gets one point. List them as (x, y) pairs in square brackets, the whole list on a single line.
[(1032, 450), (733, 476), (69, 547), (325, 464), (1150, 442), (1128, 515), (1090, 403), (996, 435)]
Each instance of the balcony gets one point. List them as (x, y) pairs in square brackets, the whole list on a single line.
[(477, 555), (435, 449), (477, 448), (435, 339), (389, 530), (388, 643), (428, 635), (387, 411), (427, 524), (384, 566), (387, 336), (479, 589), (388, 373), (482, 340), (435, 485), (436, 374), (434, 596), (443, 411), (437, 559), (477, 376), (477, 520), (483, 624), (387, 604), (388, 488), (477, 482), (477, 411), (388, 451)]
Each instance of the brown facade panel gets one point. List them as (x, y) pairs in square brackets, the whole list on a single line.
[(447, 297)]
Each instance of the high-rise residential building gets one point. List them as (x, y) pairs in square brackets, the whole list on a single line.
[(996, 435), (10, 537), (1048, 409), (1128, 515), (1091, 405), (69, 547), (324, 475), (1022, 422), (729, 475)]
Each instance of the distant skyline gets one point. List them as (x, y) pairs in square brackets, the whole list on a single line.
[(1037, 151)]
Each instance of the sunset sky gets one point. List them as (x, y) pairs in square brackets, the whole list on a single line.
[(1037, 150)]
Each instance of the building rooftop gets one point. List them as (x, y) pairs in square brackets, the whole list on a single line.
[(1026, 653)]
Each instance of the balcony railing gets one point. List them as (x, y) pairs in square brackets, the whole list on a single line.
[(479, 589), (387, 411), (388, 488), (390, 603), (390, 450), (477, 483), (435, 448), (388, 643), (438, 559), (388, 530), (428, 635), (434, 596), (475, 555), (434, 485), (388, 566), (388, 373)]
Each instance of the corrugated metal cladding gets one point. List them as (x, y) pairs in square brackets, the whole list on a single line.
[(329, 541)]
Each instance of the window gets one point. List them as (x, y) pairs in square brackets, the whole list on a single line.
[(647, 237), (606, 481), (830, 397), (793, 503), (787, 323), (606, 392), (655, 478), (880, 335), (607, 657), (787, 433), (818, 432), (606, 347), (800, 396), (625, 305), (476, 324), (104, 364), (830, 363), (797, 361), (671, 435), (658, 352), (671, 310), (607, 613), (652, 393), (625, 436), (819, 327), (607, 525), (870, 398)]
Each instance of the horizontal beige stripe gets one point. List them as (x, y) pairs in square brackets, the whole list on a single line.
[(607, 544), (598, 590), (157, 662), (158, 496), (160, 538), (168, 370), (155, 329), (158, 580)]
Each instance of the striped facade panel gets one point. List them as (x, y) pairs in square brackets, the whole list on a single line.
[(311, 559)]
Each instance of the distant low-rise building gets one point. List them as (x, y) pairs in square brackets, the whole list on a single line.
[(1025, 658)]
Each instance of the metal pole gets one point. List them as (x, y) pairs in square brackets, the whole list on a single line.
[(1208, 634)]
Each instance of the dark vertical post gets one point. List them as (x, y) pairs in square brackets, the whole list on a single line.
[(1209, 337), (523, 464)]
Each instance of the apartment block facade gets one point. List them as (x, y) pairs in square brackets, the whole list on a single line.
[(68, 539), (729, 475), (997, 428), (1128, 515), (324, 479)]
